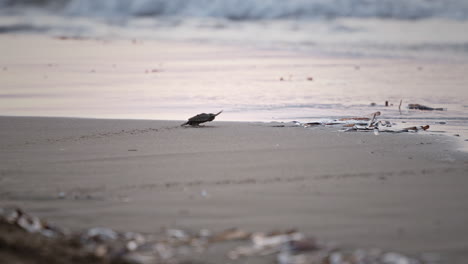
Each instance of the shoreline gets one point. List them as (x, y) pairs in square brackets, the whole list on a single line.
[(396, 192), (458, 143), (85, 78)]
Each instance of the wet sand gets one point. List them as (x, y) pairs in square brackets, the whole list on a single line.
[(403, 192)]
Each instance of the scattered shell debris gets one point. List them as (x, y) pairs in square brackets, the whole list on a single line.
[(179, 246)]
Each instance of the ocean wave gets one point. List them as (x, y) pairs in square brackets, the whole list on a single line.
[(256, 9)]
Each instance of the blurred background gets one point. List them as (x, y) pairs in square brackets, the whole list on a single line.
[(389, 28)]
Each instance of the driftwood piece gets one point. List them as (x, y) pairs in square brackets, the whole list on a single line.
[(423, 107), (399, 106)]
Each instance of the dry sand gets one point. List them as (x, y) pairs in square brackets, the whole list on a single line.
[(401, 192)]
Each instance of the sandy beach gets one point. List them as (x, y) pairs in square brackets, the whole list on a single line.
[(343, 137), (402, 192), (124, 166)]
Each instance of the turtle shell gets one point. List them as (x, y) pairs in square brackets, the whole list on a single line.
[(204, 117)]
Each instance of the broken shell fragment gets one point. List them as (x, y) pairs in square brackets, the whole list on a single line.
[(30, 224), (101, 234), (177, 233), (176, 245)]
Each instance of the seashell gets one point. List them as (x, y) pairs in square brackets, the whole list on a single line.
[(177, 233), (132, 245), (31, 224), (137, 237), (101, 234), (394, 258), (164, 251), (205, 233), (48, 233)]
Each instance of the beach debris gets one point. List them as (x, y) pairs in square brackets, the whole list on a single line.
[(415, 128), (346, 121), (201, 118), (100, 234), (424, 108), (266, 244), (29, 223), (378, 126), (178, 246), (296, 248), (399, 106), (341, 256), (310, 78), (368, 123)]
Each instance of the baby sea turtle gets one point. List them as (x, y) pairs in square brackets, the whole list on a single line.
[(201, 118)]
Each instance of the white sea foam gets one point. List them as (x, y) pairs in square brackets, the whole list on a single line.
[(258, 9)]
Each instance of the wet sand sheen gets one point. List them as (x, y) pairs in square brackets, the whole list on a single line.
[(400, 192), (118, 78)]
